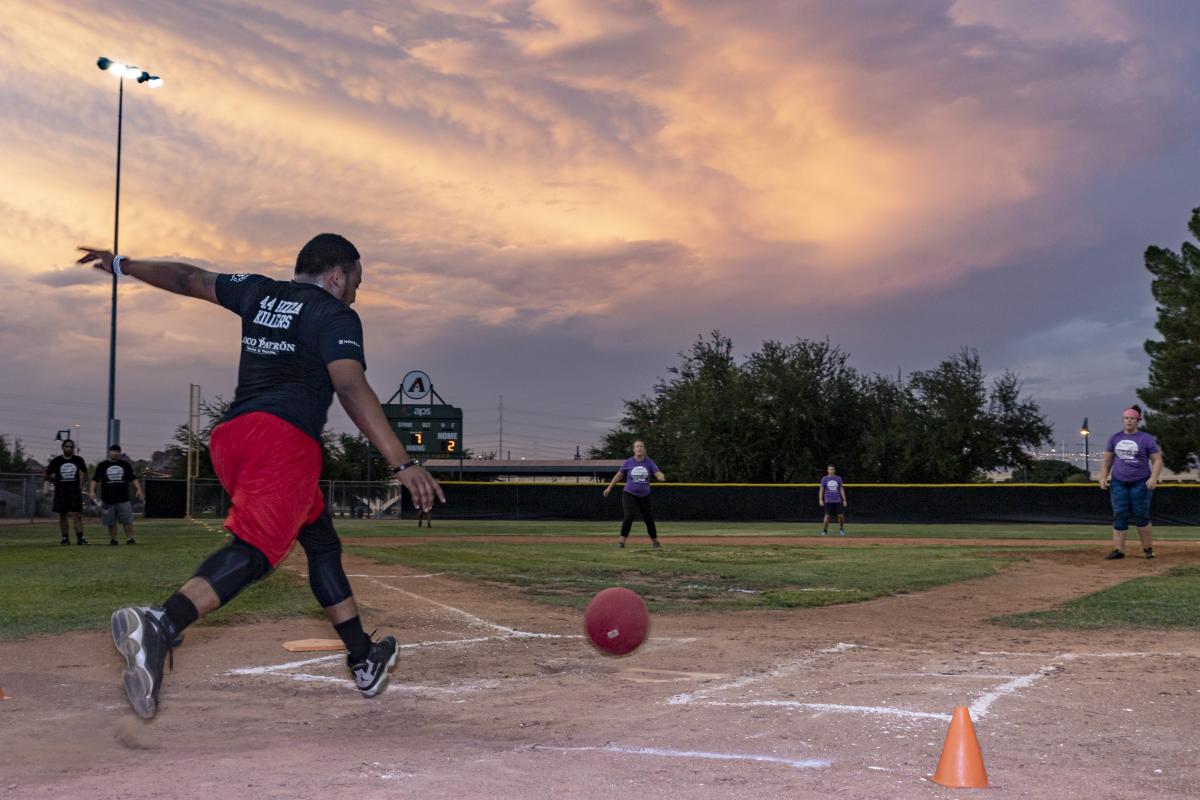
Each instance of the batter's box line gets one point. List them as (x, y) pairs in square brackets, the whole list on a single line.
[(979, 708)]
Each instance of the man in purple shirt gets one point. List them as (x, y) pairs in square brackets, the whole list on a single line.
[(832, 497), (1135, 460)]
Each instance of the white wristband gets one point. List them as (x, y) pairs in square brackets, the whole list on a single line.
[(116, 266)]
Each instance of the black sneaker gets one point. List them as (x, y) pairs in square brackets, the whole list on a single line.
[(81, 540), (1148, 552), (130, 541), (65, 540), (371, 674), (141, 634), (657, 545), (113, 543), (1114, 555), (621, 544)]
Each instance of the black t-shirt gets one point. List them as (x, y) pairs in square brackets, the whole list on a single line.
[(65, 473), (290, 332), (114, 478)]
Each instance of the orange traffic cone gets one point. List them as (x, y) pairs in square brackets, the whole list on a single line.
[(3, 696), (961, 765)]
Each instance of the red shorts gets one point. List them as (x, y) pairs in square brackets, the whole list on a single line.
[(270, 468)]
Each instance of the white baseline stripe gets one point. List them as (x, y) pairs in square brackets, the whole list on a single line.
[(476, 620), (654, 751), (884, 711)]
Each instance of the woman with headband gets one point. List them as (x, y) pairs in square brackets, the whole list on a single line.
[(1136, 461)]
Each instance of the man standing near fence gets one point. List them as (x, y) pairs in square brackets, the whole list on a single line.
[(301, 343), (114, 478), (68, 473)]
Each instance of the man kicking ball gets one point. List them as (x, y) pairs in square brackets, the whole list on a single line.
[(301, 343)]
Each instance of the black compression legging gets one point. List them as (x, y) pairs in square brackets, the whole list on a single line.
[(629, 502)]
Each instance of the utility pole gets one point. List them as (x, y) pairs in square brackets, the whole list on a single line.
[(193, 451), (501, 448)]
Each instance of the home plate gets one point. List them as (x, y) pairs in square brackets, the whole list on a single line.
[(313, 645), (641, 675)]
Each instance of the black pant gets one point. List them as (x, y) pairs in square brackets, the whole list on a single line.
[(628, 503)]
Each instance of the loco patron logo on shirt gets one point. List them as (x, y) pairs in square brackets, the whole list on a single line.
[(266, 347), (832, 485), (68, 471), (639, 475), (115, 473)]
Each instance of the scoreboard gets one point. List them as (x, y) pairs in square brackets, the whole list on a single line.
[(427, 431)]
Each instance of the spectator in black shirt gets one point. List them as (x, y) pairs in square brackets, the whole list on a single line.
[(114, 478), (301, 343), (68, 473)]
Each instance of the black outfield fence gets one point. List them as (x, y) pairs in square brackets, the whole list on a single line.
[(1173, 504)]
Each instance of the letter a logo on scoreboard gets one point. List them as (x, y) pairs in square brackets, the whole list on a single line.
[(416, 385)]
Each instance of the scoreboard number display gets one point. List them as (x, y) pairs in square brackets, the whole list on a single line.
[(427, 431)]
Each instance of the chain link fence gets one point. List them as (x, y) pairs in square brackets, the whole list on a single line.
[(22, 496)]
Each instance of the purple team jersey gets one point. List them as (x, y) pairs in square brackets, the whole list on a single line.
[(1131, 455), (832, 486), (637, 475)]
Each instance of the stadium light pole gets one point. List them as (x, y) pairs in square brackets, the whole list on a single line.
[(120, 71), (1085, 433)]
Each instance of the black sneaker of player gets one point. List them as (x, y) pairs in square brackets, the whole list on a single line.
[(657, 545), (130, 541), (81, 540), (621, 544), (371, 674), (141, 635), (113, 543), (1148, 552), (1115, 554), (65, 540)]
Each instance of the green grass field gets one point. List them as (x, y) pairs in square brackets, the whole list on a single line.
[(1163, 601), (45, 588)]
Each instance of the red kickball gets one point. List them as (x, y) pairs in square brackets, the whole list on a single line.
[(617, 621)]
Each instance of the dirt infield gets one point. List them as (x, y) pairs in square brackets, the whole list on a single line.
[(495, 696)]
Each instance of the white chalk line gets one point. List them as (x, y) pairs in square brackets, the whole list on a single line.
[(404, 688), (981, 705), (979, 708), (813, 763), (883, 711)]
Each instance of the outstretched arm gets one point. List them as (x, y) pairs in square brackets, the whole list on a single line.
[(362, 404), (618, 475), (174, 276)]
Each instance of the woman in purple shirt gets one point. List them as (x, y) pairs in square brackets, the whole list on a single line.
[(636, 472), (1135, 461)]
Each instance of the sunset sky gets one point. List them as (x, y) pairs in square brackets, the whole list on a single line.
[(553, 198)]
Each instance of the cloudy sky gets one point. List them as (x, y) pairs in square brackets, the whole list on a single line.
[(554, 197)]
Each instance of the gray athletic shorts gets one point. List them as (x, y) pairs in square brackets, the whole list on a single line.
[(118, 512)]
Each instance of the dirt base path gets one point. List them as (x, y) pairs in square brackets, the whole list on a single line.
[(495, 696)]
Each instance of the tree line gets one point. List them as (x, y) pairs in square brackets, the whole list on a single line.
[(785, 411)]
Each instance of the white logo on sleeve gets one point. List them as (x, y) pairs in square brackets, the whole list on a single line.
[(639, 475), (1126, 450)]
